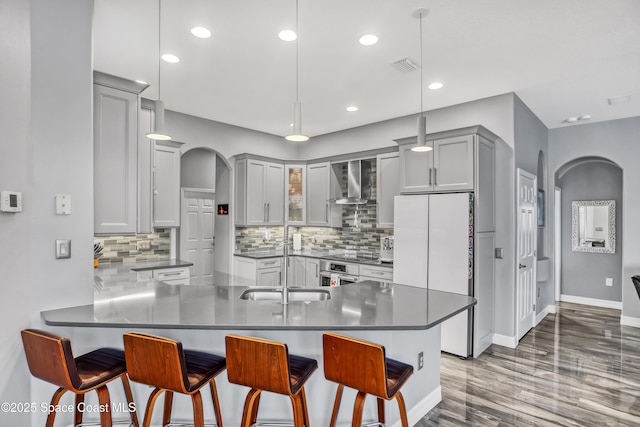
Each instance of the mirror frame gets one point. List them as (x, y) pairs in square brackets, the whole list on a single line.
[(611, 205)]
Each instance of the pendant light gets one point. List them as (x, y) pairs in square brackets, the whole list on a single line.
[(422, 120), (158, 109), (297, 135)]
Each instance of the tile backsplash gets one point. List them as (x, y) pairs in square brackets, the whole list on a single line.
[(118, 249), (366, 237)]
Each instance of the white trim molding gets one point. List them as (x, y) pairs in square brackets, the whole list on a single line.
[(422, 408), (592, 301), (630, 321), (505, 341), (550, 309)]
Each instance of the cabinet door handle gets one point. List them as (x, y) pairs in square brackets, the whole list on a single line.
[(316, 270), (435, 176), (269, 262), (280, 278), (264, 212), (268, 211), (430, 176), (326, 213)]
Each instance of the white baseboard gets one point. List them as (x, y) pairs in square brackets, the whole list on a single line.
[(630, 321), (550, 309), (505, 341), (592, 301), (422, 408)]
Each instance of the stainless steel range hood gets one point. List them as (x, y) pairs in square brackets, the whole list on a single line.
[(358, 183)]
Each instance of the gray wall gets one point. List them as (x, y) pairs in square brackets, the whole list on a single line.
[(618, 141), (46, 115), (532, 138), (198, 169), (583, 273)]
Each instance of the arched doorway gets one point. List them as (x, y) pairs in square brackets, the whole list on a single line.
[(589, 278), (205, 229)]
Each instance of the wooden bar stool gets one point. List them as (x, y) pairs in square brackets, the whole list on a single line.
[(363, 366), (50, 358), (162, 363), (267, 365)]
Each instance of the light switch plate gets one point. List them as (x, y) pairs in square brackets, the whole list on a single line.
[(63, 249)]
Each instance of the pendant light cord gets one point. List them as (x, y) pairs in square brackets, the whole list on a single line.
[(297, 57), (159, 44), (421, 70)]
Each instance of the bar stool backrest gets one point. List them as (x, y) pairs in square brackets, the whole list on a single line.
[(355, 363), (258, 363), (50, 358), (156, 361)]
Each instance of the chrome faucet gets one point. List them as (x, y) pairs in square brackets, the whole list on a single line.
[(285, 274)]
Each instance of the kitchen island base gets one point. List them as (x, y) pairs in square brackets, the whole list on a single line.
[(421, 392)]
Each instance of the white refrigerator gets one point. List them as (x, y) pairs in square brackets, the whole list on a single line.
[(434, 249)]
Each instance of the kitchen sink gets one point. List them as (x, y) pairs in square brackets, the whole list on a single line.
[(295, 294)]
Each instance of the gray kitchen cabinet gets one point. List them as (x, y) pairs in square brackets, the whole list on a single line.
[(322, 189), (115, 153), (269, 277), (376, 273), (299, 272), (259, 272), (451, 166), (166, 184), (312, 272), (259, 192), (388, 186)]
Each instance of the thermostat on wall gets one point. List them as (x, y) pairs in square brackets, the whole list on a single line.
[(10, 201)]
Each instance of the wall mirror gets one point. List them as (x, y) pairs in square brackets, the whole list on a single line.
[(593, 226)]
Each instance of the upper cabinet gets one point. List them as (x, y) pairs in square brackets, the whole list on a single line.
[(322, 189), (259, 192), (115, 153), (448, 167), (166, 184), (388, 186), (295, 197)]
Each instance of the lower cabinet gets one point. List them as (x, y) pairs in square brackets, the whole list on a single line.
[(312, 272), (170, 276), (376, 273), (265, 272)]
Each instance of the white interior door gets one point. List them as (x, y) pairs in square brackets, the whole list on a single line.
[(197, 239), (527, 228)]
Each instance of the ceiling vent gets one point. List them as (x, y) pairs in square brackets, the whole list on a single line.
[(404, 64)]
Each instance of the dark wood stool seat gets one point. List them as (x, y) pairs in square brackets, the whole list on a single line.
[(265, 365), (50, 358), (163, 363), (363, 366)]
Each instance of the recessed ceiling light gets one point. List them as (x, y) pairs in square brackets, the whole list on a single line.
[(172, 59), (572, 120), (201, 32), (368, 39), (585, 117), (435, 86), (287, 35), (352, 108), (142, 82)]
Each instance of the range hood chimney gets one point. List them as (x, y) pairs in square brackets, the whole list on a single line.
[(358, 183)]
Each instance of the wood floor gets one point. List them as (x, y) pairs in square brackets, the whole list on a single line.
[(578, 367)]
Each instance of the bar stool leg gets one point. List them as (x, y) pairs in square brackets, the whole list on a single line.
[(150, 404), (298, 420), (198, 414), (78, 414), (216, 402), (305, 410), (54, 403), (336, 406), (254, 410), (132, 409), (358, 408), (402, 409), (250, 411), (381, 417), (168, 405), (105, 402)]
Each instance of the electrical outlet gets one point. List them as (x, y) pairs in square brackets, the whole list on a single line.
[(608, 281), (420, 360), (143, 245)]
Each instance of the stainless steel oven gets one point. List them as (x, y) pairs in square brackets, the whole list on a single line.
[(334, 273)]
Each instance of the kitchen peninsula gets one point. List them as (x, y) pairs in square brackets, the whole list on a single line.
[(406, 320)]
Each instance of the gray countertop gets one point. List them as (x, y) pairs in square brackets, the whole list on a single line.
[(123, 301), (368, 258), (154, 265)]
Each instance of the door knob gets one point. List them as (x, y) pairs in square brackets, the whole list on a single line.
[(522, 266)]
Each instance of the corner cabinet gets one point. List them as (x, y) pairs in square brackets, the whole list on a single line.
[(259, 192), (116, 105), (295, 197), (166, 184), (322, 189), (388, 186)]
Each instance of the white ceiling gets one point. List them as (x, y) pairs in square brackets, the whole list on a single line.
[(562, 58)]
